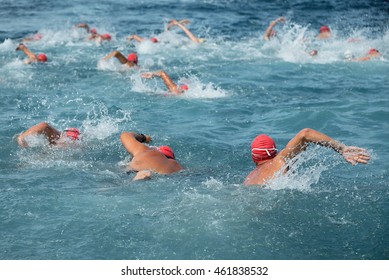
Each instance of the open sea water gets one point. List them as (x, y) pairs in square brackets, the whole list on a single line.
[(80, 204)]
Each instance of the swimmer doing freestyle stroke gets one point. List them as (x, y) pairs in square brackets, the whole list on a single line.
[(268, 162), (146, 159)]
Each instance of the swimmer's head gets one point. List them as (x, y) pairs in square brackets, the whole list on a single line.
[(133, 57), (93, 31), (184, 87), (154, 40), (37, 36), (167, 151), (374, 52), (263, 148), (324, 28), (72, 133), (41, 57), (313, 52), (106, 36)]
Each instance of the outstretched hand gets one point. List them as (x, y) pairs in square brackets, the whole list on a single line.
[(147, 75), (355, 155)]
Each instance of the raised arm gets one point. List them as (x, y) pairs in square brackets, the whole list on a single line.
[(31, 56), (83, 25), (186, 30), (118, 55), (171, 86), (132, 142), (44, 128), (299, 143), (136, 38), (174, 22), (269, 31)]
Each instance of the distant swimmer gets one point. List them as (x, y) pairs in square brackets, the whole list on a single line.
[(86, 27), (145, 159), (171, 86), (33, 38), (268, 162), (130, 61), (32, 57), (53, 136), (270, 32), (373, 53), (181, 24), (313, 53), (140, 39), (324, 33), (98, 37)]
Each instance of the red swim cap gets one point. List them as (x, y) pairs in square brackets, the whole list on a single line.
[(107, 37), (72, 133), (133, 57), (154, 40), (324, 28), (184, 87), (93, 31), (42, 57), (167, 151), (373, 51), (263, 148)]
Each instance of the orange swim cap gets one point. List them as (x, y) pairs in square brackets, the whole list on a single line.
[(184, 87), (42, 57), (324, 28), (262, 148), (72, 133), (167, 151), (154, 40), (133, 57)]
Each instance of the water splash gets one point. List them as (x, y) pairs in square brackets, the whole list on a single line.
[(305, 170)]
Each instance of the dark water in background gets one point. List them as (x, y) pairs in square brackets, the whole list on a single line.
[(80, 204)]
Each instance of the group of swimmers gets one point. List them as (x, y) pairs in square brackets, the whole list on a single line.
[(324, 34), (147, 160)]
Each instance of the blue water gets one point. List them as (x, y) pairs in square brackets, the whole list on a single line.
[(79, 203)]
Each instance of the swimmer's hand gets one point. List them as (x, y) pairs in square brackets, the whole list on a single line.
[(147, 75), (355, 155), (19, 47), (175, 22), (142, 175), (148, 138)]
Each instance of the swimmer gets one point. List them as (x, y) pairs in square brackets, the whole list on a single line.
[(171, 86), (373, 53), (145, 159), (33, 38), (269, 33), (130, 61), (181, 24), (313, 53), (268, 162), (54, 136), (32, 57), (324, 33), (99, 37), (140, 39)]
